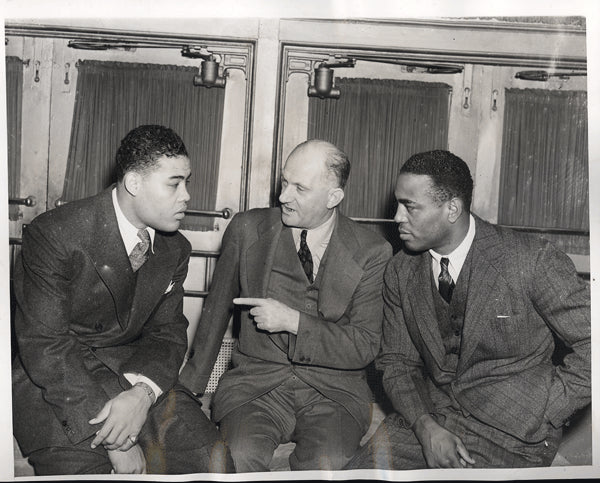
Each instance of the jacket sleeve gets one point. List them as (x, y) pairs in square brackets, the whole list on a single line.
[(563, 301), (403, 368), (49, 351), (159, 350), (353, 341), (217, 310)]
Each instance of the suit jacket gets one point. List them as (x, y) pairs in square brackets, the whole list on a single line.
[(83, 319), (521, 289), (330, 350)]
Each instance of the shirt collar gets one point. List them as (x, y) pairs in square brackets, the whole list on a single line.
[(459, 254), (317, 238), (128, 231)]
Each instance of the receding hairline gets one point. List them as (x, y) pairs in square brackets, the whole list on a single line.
[(321, 149)]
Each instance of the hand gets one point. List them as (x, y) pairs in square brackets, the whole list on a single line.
[(442, 449), (271, 315), (131, 461), (124, 417)]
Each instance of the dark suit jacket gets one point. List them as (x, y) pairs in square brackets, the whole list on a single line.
[(520, 289), (84, 319), (330, 350)]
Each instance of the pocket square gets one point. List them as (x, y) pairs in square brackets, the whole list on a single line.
[(503, 316), (170, 287)]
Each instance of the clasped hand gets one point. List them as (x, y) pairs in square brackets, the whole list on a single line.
[(123, 418), (441, 448), (271, 315), (131, 461)]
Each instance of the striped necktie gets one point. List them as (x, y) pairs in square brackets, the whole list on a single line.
[(306, 257), (446, 284), (140, 252)]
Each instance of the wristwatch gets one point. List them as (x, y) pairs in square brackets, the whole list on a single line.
[(148, 390)]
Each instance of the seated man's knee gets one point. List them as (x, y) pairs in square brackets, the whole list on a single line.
[(250, 450), (220, 459), (251, 454)]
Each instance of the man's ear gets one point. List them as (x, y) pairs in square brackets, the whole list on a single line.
[(132, 182), (335, 197), (455, 209)]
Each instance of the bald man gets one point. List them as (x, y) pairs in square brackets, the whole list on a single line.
[(307, 281)]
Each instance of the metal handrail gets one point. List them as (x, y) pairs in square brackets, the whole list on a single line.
[(195, 293), (536, 229), (29, 201), (205, 253), (225, 213)]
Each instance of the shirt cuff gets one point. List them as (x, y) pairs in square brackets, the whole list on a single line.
[(134, 378)]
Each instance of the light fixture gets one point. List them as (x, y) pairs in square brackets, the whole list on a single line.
[(323, 81), (211, 72), (543, 76)]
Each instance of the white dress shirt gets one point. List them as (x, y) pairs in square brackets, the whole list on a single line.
[(456, 258), (129, 234), (317, 240)]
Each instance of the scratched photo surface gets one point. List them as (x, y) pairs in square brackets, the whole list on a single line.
[(512, 91)]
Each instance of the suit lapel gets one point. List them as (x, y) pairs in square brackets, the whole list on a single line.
[(341, 273), (110, 258), (485, 275), (152, 280), (258, 262), (260, 255), (423, 308)]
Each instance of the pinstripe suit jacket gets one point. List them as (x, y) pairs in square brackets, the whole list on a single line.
[(521, 289), (83, 319)]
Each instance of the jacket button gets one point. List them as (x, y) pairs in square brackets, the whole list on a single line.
[(98, 327), (64, 423)]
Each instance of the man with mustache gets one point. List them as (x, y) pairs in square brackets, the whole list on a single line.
[(307, 281), (100, 326), (470, 310)]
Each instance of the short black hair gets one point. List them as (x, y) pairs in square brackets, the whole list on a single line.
[(450, 175), (144, 145)]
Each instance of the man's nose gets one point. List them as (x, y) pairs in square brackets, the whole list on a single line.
[(400, 216), (284, 197), (185, 194)]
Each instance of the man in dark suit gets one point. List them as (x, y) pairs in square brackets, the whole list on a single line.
[(101, 330), (470, 310), (310, 286)]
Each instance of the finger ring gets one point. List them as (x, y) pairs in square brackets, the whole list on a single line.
[(132, 438)]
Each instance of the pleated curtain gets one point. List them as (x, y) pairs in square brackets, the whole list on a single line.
[(380, 124), (544, 170), (114, 97), (14, 96)]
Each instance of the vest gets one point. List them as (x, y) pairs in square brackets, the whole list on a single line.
[(288, 284), (450, 317)]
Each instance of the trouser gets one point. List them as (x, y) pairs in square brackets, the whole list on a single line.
[(394, 447), (176, 438), (325, 433)]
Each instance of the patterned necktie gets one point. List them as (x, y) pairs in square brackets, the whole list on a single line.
[(305, 256), (446, 284), (140, 252)]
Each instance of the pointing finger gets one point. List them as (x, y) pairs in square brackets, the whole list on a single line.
[(248, 301)]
